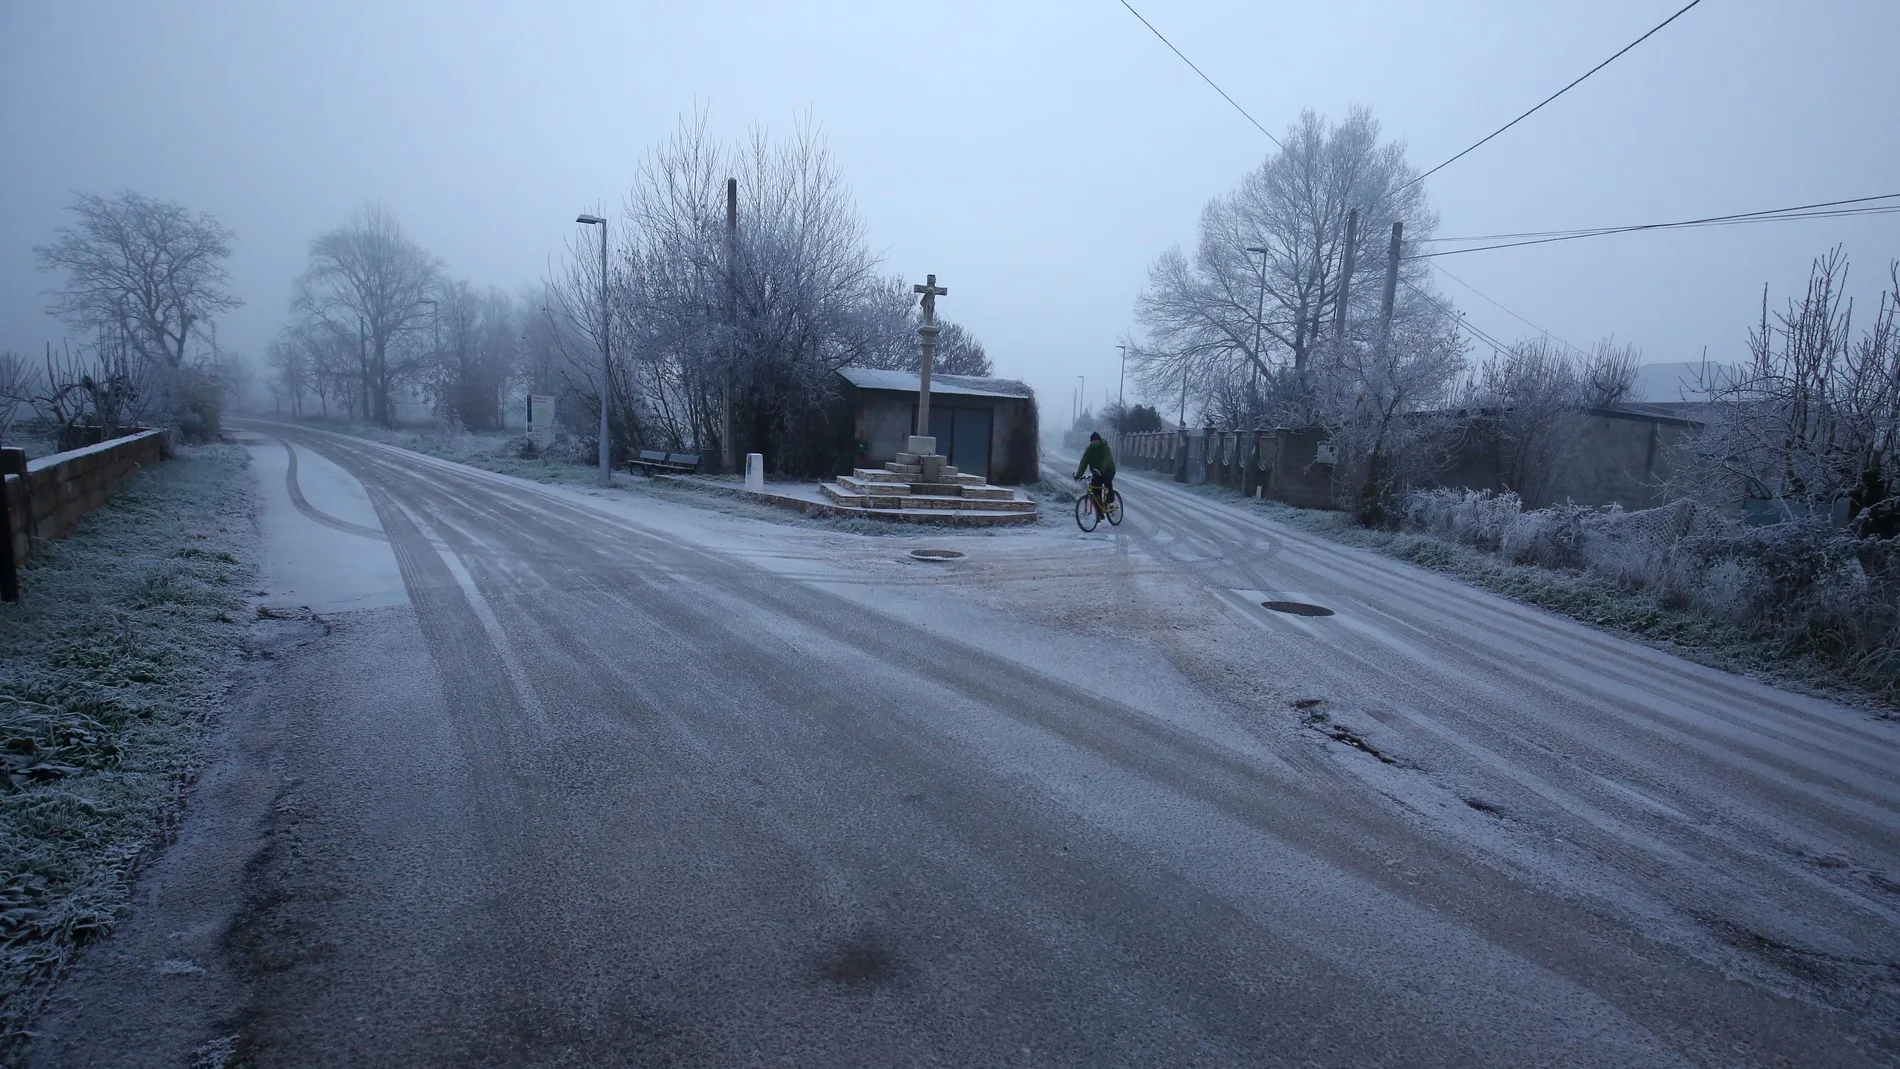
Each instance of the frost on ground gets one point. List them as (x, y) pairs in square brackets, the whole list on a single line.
[(1800, 603), (123, 640), (571, 461)]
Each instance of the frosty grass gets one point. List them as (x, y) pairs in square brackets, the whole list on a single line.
[(125, 637)]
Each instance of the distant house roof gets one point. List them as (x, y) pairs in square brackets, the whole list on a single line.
[(865, 378)]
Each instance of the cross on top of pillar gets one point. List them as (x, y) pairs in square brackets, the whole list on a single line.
[(931, 292)]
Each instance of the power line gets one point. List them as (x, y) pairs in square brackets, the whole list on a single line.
[(1540, 103), (1205, 78), (1764, 215), (1463, 323), (1832, 209), (1507, 311)]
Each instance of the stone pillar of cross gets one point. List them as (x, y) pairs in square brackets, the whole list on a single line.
[(928, 331)]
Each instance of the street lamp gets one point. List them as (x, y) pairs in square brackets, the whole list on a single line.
[(1259, 310), (606, 361), (1121, 391)]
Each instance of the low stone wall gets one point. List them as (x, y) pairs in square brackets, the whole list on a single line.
[(56, 492)]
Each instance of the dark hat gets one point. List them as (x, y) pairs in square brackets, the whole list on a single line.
[(1095, 436)]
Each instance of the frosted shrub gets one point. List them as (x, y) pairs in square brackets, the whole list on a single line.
[(1727, 588), (1475, 517), (1807, 589)]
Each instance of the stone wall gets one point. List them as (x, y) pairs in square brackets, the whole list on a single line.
[(57, 491)]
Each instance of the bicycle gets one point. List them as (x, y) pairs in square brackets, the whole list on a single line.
[(1091, 509)]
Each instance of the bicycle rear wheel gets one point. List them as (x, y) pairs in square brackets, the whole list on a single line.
[(1115, 508), (1085, 515)]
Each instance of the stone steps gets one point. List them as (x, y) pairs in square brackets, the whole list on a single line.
[(858, 484), (841, 494), (957, 511)]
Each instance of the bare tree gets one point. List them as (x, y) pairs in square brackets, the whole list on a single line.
[(290, 379), (479, 354), (145, 270), (16, 386), (760, 328), (1383, 407), (1813, 419), (367, 276), (1230, 306)]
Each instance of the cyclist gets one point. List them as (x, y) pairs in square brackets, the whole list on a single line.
[(1102, 462)]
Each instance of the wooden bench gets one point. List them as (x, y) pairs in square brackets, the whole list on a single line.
[(654, 462)]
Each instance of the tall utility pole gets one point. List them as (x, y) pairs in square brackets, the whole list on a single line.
[(1259, 314), (1391, 286), (606, 359), (1345, 276), (728, 455)]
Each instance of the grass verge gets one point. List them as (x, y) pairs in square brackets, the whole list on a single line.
[(1579, 595), (123, 640)]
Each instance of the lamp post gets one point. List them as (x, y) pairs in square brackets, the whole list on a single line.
[(1121, 390), (606, 360), (1259, 310)]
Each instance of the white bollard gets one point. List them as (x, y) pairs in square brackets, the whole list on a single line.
[(755, 472)]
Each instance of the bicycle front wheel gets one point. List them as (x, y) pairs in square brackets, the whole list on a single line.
[(1115, 508), (1085, 515)]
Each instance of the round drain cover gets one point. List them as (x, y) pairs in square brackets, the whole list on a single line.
[(1297, 608), (935, 554)]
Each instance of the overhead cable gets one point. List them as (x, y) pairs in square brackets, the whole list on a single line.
[(1507, 311), (1203, 74), (1833, 209), (1544, 101)]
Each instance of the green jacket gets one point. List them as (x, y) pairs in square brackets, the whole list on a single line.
[(1098, 457)]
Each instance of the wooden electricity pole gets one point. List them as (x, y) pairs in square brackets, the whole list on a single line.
[(1345, 276), (1391, 286)]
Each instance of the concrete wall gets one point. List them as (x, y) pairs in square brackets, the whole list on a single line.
[(58, 491), (1279, 464), (1620, 458)]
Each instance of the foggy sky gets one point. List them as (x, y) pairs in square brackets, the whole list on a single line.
[(1035, 156)]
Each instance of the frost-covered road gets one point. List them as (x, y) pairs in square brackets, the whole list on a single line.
[(567, 779)]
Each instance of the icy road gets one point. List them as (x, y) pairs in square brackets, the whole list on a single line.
[(560, 778)]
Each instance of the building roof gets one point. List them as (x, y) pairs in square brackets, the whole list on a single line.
[(865, 378)]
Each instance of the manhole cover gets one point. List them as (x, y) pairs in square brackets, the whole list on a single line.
[(1297, 608), (935, 554)]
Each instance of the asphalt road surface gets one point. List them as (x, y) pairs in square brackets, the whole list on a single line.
[(536, 777)]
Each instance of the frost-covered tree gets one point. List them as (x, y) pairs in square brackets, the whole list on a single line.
[(1813, 417), (367, 276), (146, 271), (1528, 403), (1227, 309), (479, 355), (1384, 407), (750, 335)]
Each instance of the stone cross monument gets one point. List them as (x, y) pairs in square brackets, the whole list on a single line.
[(928, 331)]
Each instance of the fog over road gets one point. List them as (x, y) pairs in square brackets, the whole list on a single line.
[(556, 778)]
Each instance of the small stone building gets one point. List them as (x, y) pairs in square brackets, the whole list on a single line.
[(985, 426)]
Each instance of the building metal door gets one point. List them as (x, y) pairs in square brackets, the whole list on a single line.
[(963, 435), (970, 440)]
